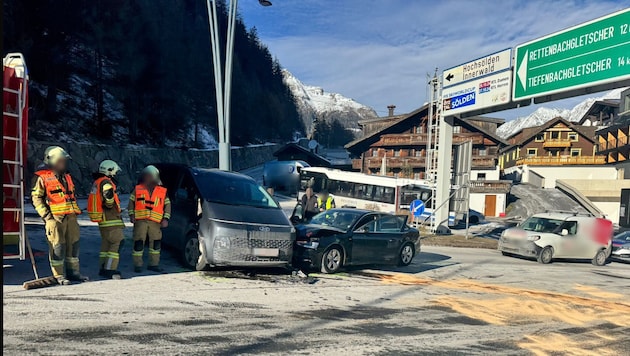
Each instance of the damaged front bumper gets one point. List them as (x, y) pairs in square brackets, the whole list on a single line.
[(522, 248)]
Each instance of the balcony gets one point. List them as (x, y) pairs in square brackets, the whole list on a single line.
[(557, 143), (483, 162), (561, 161), (392, 162), (421, 139)]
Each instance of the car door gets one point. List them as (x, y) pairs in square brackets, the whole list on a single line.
[(362, 242), (184, 210), (571, 244)]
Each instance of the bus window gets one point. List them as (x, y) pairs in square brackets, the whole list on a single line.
[(359, 190), (379, 193), (389, 195)]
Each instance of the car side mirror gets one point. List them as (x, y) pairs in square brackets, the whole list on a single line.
[(564, 232)]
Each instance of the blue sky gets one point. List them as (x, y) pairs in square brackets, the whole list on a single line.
[(379, 52)]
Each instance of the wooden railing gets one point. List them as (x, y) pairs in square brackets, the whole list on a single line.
[(557, 142), (560, 161), (490, 186), (415, 162), (421, 139), (612, 144)]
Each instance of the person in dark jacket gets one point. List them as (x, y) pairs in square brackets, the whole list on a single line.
[(309, 204)]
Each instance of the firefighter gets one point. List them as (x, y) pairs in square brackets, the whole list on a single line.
[(54, 200), (149, 210), (326, 201), (104, 208)]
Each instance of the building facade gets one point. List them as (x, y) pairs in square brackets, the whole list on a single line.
[(398, 144), (556, 143)]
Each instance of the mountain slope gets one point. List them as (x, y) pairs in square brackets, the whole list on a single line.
[(314, 102), (542, 114)]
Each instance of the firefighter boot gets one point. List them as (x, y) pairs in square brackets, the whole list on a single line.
[(154, 256)]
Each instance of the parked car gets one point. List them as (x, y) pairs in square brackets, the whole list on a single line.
[(283, 175), (559, 235), (344, 237), (621, 247), (224, 218), (475, 217)]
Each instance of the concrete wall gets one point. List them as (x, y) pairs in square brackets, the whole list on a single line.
[(86, 158), (549, 174), (605, 194), (478, 202), (491, 174)]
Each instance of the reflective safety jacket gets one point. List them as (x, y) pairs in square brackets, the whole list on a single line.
[(153, 206), (58, 197), (104, 204), (330, 203)]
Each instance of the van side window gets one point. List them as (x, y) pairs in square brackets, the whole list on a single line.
[(188, 189), (571, 227)]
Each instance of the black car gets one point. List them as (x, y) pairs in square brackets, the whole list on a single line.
[(344, 237)]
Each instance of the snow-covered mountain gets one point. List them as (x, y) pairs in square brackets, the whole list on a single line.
[(314, 102), (542, 114)]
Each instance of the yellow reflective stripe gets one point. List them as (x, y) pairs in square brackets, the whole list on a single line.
[(56, 262), (114, 255), (111, 223), (137, 253), (72, 259), (103, 254), (167, 201), (167, 216), (154, 252), (38, 191)]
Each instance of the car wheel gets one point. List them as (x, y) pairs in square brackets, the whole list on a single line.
[(406, 255), (473, 220), (546, 255), (600, 258), (190, 253), (332, 260)]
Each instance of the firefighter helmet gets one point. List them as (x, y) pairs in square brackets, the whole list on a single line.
[(153, 172), (53, 154), (109, 168)]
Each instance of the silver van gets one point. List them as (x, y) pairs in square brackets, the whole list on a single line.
[(551, 235), (283, 175), (224, 218)]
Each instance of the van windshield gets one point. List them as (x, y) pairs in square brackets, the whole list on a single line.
[(217, 189), (538, 224)]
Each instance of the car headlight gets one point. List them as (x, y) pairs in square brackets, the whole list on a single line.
[(292, 230), (312, 245), (533, 238), (222, 242)]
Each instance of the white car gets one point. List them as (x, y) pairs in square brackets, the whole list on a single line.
[(560, 235)]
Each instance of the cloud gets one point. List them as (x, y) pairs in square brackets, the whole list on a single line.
[(380, 52)]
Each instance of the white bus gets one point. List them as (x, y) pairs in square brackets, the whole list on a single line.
[(370, 192)]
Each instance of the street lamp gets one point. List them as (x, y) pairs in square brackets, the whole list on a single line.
[(223, 97)]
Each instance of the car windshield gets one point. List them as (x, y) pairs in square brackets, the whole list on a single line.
[(339, 219), (538, 224), (219, 189)]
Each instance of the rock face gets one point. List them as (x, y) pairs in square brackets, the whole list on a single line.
[(86, 158), (313, 102)]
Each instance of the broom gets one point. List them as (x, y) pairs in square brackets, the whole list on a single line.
[(37, 282)]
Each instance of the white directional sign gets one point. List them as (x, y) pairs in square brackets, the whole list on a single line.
[(482, 83), (481, 67)]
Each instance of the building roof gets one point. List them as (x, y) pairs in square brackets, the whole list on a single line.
[(312, 156), (612, 103), (493, 120), (361, 144), (587, 132), (381, 118)]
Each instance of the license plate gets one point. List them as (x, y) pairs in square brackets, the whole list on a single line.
[(266, 252)]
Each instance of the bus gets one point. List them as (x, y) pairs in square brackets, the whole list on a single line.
[(371, 192)]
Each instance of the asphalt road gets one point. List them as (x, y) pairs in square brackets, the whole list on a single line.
[(449, 301)]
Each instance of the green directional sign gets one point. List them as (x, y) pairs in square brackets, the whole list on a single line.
[(593, 53)]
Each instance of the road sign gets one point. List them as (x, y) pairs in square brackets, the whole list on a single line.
[(478, 68), (416, 207), (591, 54), (492, 88)]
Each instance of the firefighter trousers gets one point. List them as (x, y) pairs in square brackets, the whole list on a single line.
[(143, 229), (62, 235), (111, 238)]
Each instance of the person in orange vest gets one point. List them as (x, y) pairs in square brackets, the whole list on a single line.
[(104, 208), (54, 200), (149, 211)]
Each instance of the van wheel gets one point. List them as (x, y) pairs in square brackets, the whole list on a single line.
[(190, 252), (546, 255), (332, 260), (600, 258)]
